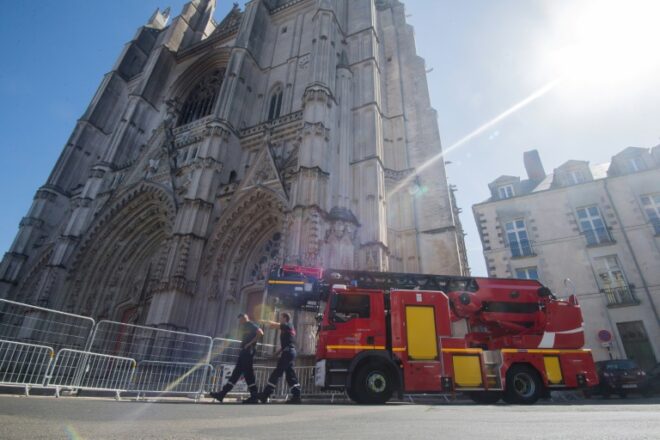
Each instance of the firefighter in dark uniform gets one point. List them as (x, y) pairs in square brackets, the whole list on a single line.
[(286, 362), (250, 334)]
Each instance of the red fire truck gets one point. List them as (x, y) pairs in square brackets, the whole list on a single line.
[(383, 333)]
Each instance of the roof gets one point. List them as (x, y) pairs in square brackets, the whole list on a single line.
[(527, 186), (505, 179), (631, 151), (573, 163)]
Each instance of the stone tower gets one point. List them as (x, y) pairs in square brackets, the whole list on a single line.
[(213, 150)]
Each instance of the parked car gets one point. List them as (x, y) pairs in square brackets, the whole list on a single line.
[(621, 376), (651, 384)]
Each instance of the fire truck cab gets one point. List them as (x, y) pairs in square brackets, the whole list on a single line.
[(376, 339)]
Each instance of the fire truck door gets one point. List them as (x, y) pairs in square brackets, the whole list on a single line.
[(421, 334), (423, 370)]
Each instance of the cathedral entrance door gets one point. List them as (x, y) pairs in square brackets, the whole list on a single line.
[(253, 300)]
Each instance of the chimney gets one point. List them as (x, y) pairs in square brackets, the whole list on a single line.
[(534, 166)]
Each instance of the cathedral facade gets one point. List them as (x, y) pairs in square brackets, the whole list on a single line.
[(213, 150)]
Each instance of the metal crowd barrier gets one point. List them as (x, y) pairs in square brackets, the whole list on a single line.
[(149, 343), (84, 370), (40, 347), (225, 351), (41, 326), (24, 364), (171, 378)]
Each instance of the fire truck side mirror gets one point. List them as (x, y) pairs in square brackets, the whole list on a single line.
[(319, 318)]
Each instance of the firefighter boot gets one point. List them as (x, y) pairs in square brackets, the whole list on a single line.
[(219, 396), (295, 395), (254, 396), (265, 394)]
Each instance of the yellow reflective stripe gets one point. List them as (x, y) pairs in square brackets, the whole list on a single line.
[(462, 350), (299, 283), (399, 349), (356, 347), (543, 351)]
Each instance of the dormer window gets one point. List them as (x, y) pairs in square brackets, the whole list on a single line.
[(506, 191), (636, 164), (575, 177)]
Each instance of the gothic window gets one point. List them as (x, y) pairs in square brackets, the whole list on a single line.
[(269, 253), (201, 99), (275, 105)]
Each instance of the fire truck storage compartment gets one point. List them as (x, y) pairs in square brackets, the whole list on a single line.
[(553, 370), (421, 333), (467, 370)]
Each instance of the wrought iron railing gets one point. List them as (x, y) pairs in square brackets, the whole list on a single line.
[(620, 296)]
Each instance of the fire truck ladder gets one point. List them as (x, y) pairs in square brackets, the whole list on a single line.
[(385, 281)]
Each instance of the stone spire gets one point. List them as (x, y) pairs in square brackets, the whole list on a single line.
[(159, 19), (198, 16)]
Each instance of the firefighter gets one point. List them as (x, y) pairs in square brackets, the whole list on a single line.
[(250, 334), (285, 362)]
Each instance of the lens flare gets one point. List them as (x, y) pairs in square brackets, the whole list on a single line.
[(71, 433), (499, 118)]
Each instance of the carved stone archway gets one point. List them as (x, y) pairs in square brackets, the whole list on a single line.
[(247, 239), (122, 255)]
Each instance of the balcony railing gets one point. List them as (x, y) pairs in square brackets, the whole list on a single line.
[(620, 296)]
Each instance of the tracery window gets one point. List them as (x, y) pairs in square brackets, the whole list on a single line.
[(268, 254), (201, 99)]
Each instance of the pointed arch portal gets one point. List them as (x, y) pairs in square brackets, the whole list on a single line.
[(247, 240), (122, 255)]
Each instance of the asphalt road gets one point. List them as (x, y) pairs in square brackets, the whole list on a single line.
[(89, 418)]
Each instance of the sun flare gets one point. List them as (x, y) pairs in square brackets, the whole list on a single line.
[(610, 41)]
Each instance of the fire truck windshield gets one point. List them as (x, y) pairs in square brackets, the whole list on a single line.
[(344, 307)]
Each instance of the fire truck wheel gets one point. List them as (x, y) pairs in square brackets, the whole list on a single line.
[(485, 397), (523, 385), (373, 385), (351, 394)]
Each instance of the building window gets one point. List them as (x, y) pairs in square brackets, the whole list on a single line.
[(516, 234), (575, 177), (636, 164), (612, 281), (506, 191), (201, 99), (593, 226), (651, 205), (527, 273), (275, 105)]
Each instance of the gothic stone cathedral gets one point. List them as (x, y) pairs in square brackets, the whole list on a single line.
[(213, 150)]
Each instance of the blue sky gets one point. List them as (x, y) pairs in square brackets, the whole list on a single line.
[(485, 57)]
